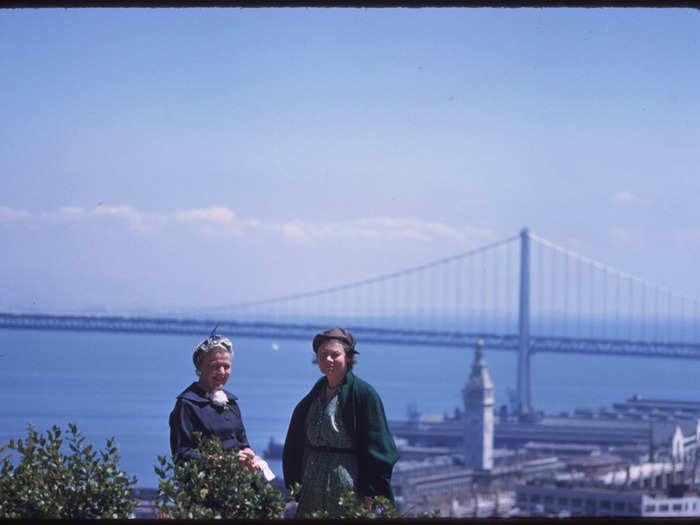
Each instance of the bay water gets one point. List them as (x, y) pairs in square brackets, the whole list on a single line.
[(124, 385)]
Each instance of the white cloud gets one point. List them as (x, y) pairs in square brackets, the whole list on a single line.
[(295, 232), (10, 214), (137, 220), (405, 228), (627, 197), (214, 214), (126, 212), (213, 219), (223, 220), (71, 211), (377, 228)]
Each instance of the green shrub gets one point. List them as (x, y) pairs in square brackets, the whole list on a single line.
[(353, 507), (47, 483), (217, 485), (377, 507)]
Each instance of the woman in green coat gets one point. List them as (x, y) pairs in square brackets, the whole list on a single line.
[(338, 436)]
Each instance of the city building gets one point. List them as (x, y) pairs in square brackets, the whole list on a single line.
[(625, 460), (478, 414), (565, 501)]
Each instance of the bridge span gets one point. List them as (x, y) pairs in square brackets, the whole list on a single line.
[(521, 294), (423, 338)]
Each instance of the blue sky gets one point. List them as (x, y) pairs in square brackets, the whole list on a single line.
[(161, 158)]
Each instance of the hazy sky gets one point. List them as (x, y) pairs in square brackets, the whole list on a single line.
[(165, 158)]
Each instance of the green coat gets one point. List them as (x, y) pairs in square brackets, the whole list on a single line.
[(363, 414)]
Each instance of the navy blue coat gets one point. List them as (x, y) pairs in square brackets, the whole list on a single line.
[(194, 412)]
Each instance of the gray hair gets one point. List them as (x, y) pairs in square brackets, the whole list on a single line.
[(214, 343)]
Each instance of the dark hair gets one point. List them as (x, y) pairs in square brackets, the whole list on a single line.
[(350, 352)]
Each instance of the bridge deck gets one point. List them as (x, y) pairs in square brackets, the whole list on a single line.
[(427, 338)]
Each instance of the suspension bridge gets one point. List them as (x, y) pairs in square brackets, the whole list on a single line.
[(523, 294)]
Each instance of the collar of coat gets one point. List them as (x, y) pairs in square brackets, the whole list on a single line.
[(345, 388), (196, 393), (348, 399)]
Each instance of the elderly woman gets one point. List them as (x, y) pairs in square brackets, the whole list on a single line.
[(338, 437), (205, 407)]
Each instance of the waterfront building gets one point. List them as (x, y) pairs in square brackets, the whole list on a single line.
[(651, 475), (442, 482), (478, 414), (625, 434), (612, 461), (146, 506), (565, 501)]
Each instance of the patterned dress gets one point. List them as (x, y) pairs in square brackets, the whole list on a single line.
[(331, 466)]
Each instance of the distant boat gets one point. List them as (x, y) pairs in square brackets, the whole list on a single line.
[(274, 449), (413, 414)]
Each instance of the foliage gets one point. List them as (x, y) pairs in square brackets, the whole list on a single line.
[(354, 507), (216, 484), (434, 514), (46, 483), (377, 507)]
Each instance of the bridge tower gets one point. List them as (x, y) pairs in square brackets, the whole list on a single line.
[(524, 408), (478, 414)]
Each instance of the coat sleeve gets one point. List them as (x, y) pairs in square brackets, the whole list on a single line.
[(378, 452), (293, 453), (181, 428)]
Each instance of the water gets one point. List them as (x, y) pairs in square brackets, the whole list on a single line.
[(124, 385)]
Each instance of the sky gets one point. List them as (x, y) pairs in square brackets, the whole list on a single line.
[(154, 160)]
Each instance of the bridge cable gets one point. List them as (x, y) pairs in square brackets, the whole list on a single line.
[(591, 328), (494, 271), (578, 297), (538, 287), (474, 295), (355, 284), (604, 317), (695, 324), (630, 310), (509, 282), (669, 333), (643, 314), (611, 269), (552, 297), (482, 328), (656, 313), (567, 285)]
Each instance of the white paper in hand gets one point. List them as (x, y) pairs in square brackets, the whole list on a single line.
[(264, 468)]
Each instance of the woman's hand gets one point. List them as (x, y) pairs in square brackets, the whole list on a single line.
[(247, 456), (255, 462)]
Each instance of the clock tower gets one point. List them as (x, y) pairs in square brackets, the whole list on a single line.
[(478, 414)]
